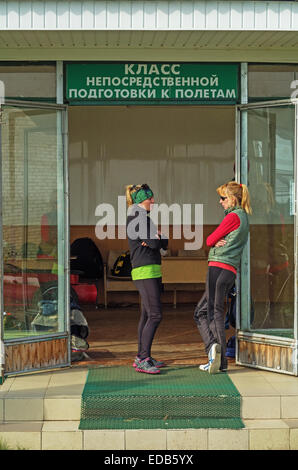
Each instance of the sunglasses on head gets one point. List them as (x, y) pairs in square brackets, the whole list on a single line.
[(223, 198)]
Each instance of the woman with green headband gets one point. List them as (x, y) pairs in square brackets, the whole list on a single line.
[(145, 242)]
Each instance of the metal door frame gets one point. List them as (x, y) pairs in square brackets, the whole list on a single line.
[(64, 167), (240, 159)]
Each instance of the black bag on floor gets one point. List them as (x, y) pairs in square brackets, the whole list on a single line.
[(88, 259)]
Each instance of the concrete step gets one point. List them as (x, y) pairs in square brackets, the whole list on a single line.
[(56, 396), (42, 411), (69, 409), (65, 435)]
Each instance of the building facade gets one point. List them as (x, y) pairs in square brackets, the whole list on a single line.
[(185, 95)]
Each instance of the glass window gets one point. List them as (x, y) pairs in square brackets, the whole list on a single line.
[(268, 81), (37, 82), (271, 137), (33, 222)]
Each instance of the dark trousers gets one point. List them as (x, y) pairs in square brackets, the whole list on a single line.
[(210, 312), (151, 314)]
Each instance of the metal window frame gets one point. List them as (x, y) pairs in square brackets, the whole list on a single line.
[(241, 155), (2, 350), (66, 333)]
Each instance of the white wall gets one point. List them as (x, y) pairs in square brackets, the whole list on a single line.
[(183, 152)]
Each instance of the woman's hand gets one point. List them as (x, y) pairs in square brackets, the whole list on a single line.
[(144, 244), (221, 242)]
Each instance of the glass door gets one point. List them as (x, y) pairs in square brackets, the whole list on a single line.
[(266, 162), (34, 238)]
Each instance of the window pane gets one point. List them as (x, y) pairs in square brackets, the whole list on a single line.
[(271, 184), (33, 213), (271, 81), (29, 81)]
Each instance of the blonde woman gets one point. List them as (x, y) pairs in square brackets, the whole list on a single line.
[(145, 242), (226, 246)]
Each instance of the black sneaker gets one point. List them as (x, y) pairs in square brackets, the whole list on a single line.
[(156, 363)]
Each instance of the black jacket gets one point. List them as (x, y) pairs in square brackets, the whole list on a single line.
[(140, 228)]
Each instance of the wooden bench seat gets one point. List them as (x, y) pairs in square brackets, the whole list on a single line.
[(184, 272), (115, 283)]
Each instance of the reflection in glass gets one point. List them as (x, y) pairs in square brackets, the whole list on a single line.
[(32, 196), (270, 177), (30, 81), (270, 81)]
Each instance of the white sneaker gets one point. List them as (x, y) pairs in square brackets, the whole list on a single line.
[(204, 367), (214, 358)]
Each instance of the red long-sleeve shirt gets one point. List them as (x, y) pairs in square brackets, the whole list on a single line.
[(230, 223)]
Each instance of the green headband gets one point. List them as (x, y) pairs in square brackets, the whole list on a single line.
[(141, 195)]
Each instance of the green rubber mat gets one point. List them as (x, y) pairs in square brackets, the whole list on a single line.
[(179, 397)]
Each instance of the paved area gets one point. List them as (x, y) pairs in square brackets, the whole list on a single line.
[(42, 411)]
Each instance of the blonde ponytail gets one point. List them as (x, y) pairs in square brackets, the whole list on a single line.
[(238, 193), (245, 200), (131, 188)]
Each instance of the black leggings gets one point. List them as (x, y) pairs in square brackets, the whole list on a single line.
[(151, 314), (210, 312)]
